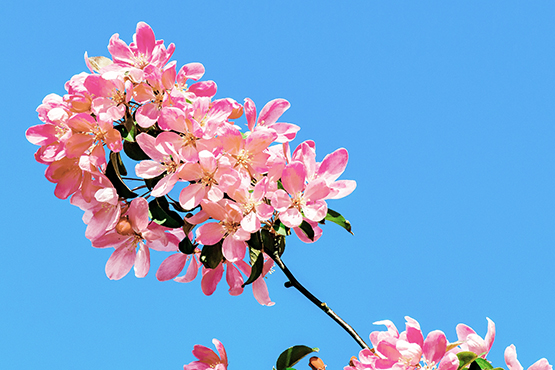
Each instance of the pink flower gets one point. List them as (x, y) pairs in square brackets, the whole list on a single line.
[(144, 51), (406, 350), (514, 364), (131, 231), (207, 358), (300, 199), (268, 117), (473, 342)]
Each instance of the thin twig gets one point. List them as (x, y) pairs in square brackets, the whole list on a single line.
[(293, 282)]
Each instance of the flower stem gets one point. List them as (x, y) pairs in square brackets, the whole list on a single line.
[(293, 282)]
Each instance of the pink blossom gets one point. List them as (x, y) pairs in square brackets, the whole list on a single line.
[(207, 358), (229, 215), (144, 51), (470, 341), (300, 199), (514, 364), (133, 229), (268, 117)]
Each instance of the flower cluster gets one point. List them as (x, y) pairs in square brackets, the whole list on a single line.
[(409, 350), (242, 191)]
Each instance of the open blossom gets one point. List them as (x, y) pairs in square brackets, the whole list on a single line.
[(207, 358), (470, 341), (514, 364), (132, 230), (407, 350)]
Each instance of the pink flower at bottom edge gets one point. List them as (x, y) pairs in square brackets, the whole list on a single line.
[(514, 364), (207, 358)]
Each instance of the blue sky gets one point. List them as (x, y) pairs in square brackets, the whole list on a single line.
[(447, 110)]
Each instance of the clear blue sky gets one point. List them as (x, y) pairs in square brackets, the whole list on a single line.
[(447, 109)]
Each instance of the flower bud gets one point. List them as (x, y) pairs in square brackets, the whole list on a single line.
[(316, 363), (124, 226)]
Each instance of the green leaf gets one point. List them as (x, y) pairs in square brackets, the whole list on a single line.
[(255, 242), (268, 241), (281, 229), (211, 255), (151, 183), (160, 213), (113, 174), (337, 218), (186, 247), (134, 151), (257, 262), (484, 364), (292, 355), (121, 168), (465, 358), (474, 366), (307, 229)]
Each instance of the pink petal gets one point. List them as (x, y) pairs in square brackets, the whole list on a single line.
[(232, 249), (293, 177), (138, 214), (210, 233), (250, 113), (192, 71), (315, 211), (165, 185), (142, 261), (221, 351), (291, 218), (435, 346), (191, 273), (147, 115), (145, 39), (234, 279), (510, 358), (149, 169), (120, 262), (171, 266), (260, 291), (191, 196), (272, 111), (204, 88), (211, 278), (333, 165), (205, 355), (341, 188), (449, 362)]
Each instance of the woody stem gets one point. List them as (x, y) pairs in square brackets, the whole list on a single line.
[(293, 282)]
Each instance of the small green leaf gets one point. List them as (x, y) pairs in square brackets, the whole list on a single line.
[(160, 213), (307, 229), (113, 174), (292, 355), (186, 247), (255, 242), (257, 266), (337, 218), (281, 229), (484, 364), (465, 358), (134, 151), (211, 255)]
